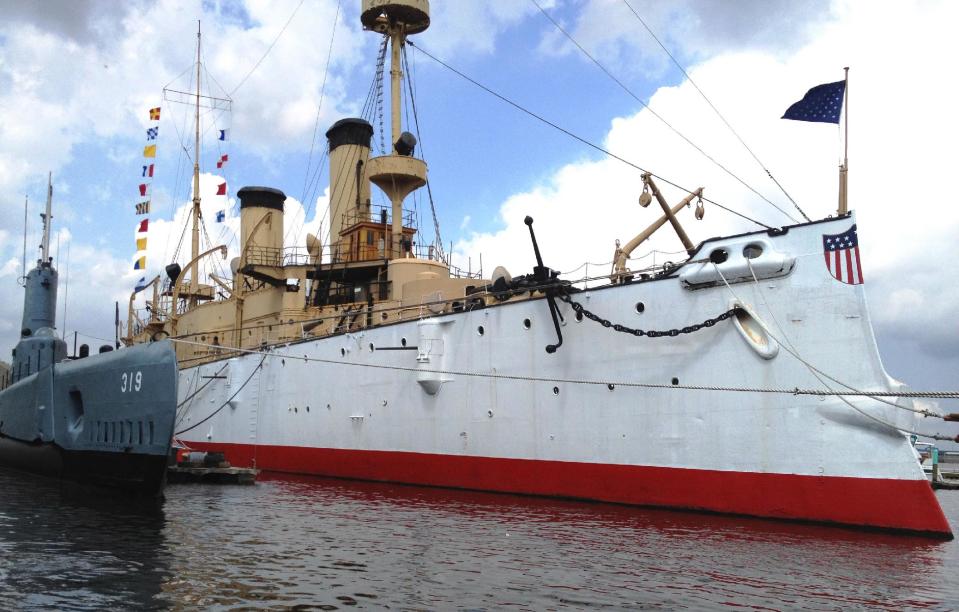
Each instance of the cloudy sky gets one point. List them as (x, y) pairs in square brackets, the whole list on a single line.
[(77, 78)]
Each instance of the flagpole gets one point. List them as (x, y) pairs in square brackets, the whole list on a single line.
[(844, 169)]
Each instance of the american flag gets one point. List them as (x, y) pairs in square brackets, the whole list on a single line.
[(842, 256)]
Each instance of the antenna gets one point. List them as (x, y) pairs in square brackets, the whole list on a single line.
[(66, 287), (47, 216), (23, 277)]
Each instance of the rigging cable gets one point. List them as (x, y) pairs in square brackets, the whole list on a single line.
[(853, 392), (660, 117), (716, 110), (268, 49), (416, 120), (578, 381), (579, 138), (226, 403), (316, 123)]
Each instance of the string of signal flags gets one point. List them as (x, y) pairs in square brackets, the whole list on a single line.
[(142, 207)]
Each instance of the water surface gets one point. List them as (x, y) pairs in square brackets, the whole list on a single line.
[(328, 544)]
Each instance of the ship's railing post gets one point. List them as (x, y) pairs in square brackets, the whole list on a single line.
[(936, 474)]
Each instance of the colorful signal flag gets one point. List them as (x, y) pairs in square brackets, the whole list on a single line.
[(221, 189), (150, 151), (223, 159), (143, 189), (224, 134), (155, 114), (140, 263), (152, 133), (148, 171), (143, 208), (143, 226)]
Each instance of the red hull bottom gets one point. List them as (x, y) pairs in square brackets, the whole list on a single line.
[(902, 505)]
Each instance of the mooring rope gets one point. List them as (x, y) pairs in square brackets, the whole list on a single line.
[(576, 381)]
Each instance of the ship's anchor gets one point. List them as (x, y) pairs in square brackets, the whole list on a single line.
[(546, 278)]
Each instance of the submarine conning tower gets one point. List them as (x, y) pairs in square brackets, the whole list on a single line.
[(40, 299), (39, 346)]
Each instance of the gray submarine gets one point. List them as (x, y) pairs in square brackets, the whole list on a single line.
[(104, 420)]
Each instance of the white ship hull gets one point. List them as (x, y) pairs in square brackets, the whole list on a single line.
[(496, 412)]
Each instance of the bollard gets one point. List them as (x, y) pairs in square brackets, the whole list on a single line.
[(936, 476)]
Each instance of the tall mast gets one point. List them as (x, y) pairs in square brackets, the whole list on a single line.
[(47, 216), (399, 173), (195, 248), (397, 34)]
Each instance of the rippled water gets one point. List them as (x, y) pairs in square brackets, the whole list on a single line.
[(323, 544)]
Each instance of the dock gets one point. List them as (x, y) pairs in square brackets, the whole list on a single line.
[(178, 474), (943, 470), (207, 468)]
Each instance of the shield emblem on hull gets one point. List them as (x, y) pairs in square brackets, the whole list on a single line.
[(842, 256)]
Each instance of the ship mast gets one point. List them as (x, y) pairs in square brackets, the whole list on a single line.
[(195, 245), (399, 173), (47, 216)]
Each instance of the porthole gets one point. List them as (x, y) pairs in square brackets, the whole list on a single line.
[(372, 348), (718, 256), (342, 352), (610, 386), (579, 317), (640, 307), (480, 330), (383, 316), (555, 390), (675, 381), (527, 323), (752, 251), (402, 341)]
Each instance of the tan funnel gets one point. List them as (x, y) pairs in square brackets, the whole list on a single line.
[(256, 230), (349, 141)]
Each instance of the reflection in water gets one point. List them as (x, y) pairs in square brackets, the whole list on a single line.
[(71, 550), (334, 544)]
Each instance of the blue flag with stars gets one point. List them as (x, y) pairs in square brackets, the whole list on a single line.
[(822, 104)]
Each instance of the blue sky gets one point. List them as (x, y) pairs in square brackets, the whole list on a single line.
[(77, 78)]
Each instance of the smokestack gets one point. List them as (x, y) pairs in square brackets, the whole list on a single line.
[(349, 141), (255, 204)]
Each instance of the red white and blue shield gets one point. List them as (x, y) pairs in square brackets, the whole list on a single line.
[(842, 256)]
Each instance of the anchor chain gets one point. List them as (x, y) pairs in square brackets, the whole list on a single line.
[(649, 333)]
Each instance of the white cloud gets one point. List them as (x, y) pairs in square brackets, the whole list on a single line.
[(63, 87), (691, 29), (900, 158), (473, 27), (10, 268)]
